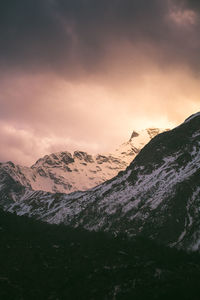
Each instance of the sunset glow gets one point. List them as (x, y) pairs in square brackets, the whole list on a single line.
[(85, 76)]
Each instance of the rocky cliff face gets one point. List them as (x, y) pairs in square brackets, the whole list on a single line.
[(157, 196), (66, 172)]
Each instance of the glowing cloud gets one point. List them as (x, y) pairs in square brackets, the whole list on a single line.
[(84, 74)]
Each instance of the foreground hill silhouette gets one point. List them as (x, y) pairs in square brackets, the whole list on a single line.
[(43, 261)]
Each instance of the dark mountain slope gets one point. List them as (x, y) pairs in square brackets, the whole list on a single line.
[(183, 138)]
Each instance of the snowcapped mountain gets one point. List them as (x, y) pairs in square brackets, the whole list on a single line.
[(65, 172), (157, 196)]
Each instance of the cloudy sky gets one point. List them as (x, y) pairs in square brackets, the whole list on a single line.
[(83, 74)]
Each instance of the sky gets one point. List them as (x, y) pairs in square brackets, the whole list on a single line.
[(83, 74)]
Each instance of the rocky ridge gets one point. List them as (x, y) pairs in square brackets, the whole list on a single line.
[(66, 172)]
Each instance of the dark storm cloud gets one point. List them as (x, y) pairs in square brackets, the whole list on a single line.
[(30, 34), (82, 74), (63, 35), (193, 4)]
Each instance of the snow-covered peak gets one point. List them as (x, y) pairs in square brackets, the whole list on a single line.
[(137, 141), (148, 133), (54, 159), (66, 172)]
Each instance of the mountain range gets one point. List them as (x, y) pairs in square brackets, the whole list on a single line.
[(157, 196), (66, 172)]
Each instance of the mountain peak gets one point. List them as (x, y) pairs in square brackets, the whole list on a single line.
[(134, 134), (152, 132), (54, 159), (149, 133), (81, 155)]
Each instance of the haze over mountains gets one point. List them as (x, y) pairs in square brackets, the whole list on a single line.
[(156, 196), (67, 172)]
